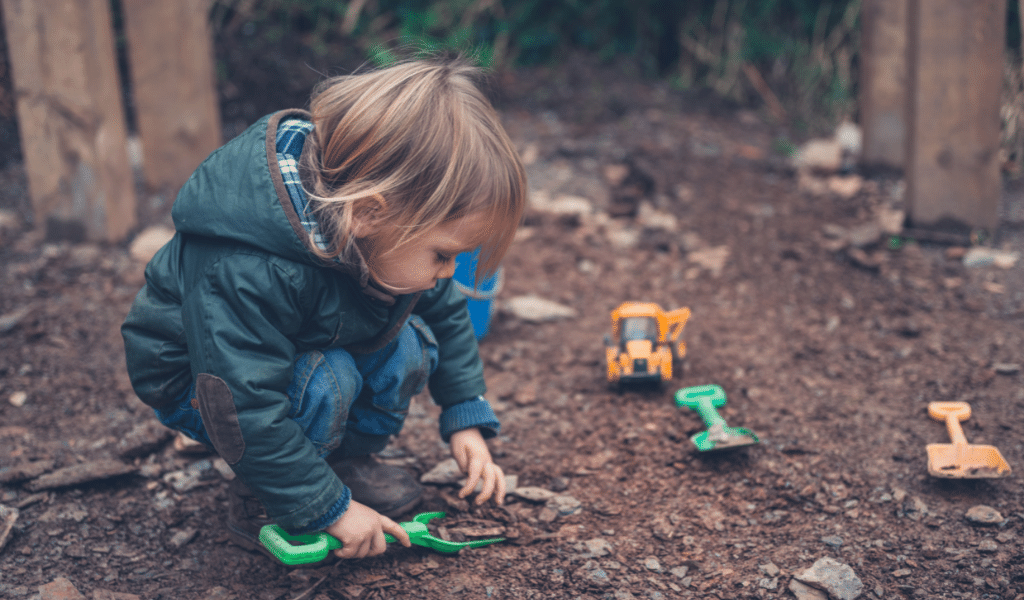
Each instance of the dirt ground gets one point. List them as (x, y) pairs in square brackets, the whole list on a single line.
[(828, 345)]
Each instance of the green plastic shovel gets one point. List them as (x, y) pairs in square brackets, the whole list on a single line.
[(314, 547), (705, 399)]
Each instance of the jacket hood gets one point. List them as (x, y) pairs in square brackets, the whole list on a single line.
[(238, 193)]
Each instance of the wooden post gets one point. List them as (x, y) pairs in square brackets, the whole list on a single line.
[(71, 117), (883, 80), (955, 59), (174, 92)]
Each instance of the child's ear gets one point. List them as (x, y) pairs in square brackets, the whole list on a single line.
[(368, 216)]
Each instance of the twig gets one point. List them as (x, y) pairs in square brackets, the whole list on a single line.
[(321, 580), (769, 97)]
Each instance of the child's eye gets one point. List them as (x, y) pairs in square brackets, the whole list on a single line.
[(443, 258)]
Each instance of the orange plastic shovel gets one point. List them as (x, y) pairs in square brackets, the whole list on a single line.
[(961, 460)]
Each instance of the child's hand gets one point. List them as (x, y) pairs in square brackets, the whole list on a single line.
[(471, 453), (361, 532)]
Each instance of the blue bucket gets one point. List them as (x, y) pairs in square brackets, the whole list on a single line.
[(481, 297)]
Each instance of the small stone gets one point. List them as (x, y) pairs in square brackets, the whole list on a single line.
[(8, 517), (679, 572), (837, 579), (984, 515), (806, 592), (899, 573), (145, 438), (59, 589), (148, 242), (593, 574), (534, 494), (769, 569), (564, 505), (652, 564), (536, 310), (595, 547), (988, 546), (108, 595), (18, 399), (182, 537), (833, 540), (445, 472), (1006, 368), (768, 584)]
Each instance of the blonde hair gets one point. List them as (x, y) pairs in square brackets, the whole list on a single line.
[(413, 146)]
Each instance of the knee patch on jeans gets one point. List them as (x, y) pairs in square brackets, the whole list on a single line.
[(220, 419)]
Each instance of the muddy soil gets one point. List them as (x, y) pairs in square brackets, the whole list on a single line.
[(829, 352)]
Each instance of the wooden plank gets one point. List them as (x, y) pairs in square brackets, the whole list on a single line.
[(70, 117), (955, 60), (174, 92), (883, 80)]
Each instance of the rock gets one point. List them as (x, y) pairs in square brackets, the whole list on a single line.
[(535, 309), (768, 584), (845, 186), (806, 592), (891, 220), (182, 537), (564, 505), (648, 216), (593, 574), (1006, 368), (829, 575), (832, 540), (595, 547), (985, 546), (81, 473), (980, 256), (819, 155), (864, 235), (769, 569), (984, 515), (145, 438), (18, 399), (9, 321), (445, 472), (59, 589), (712, 259), (534, 494), (651, 563), (146, 244), (8, 517), (191, 477)]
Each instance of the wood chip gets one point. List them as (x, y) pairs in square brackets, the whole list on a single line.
[(78, 474)]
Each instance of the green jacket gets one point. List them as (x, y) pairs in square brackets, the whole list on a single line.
[(233, 298)]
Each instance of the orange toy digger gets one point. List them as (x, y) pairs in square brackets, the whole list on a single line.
[(644, 343)]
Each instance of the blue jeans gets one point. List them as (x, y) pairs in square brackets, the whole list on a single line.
[(352, 403)]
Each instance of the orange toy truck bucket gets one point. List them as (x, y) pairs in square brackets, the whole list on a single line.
[(961, 460)]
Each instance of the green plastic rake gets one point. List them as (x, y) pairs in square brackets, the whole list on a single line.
[(706, 399)]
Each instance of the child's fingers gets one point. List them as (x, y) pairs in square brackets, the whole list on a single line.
[(476, 467), (396, 530)]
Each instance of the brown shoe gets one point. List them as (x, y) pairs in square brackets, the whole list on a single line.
[(245, 517), (389, 490)]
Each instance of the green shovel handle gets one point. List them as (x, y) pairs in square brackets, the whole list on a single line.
[(703, 399)]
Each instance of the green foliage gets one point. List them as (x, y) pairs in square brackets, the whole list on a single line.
[(803, 51)]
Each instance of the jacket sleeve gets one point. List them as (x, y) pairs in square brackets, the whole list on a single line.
[(457, 384), (238, 316)]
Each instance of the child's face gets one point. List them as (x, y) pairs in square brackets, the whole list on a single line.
[(418, 265)]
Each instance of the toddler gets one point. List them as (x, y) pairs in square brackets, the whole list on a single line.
[(307, 296)]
